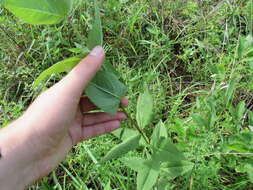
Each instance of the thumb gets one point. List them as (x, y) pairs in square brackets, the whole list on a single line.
[(73, 84)]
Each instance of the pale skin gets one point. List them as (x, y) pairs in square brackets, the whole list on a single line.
[(34, 144)]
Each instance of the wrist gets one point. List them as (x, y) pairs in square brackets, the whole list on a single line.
[(15, 170)]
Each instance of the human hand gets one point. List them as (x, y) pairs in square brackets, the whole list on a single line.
[(33, 145)]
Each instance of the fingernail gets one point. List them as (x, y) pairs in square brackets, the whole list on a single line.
[(97, 51)]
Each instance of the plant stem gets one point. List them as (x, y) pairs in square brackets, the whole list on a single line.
[(135, 126)]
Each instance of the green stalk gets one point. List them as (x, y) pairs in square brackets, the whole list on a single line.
[(135, 126)]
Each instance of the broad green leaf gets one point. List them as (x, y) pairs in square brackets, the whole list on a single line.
[(172, 170), (39, 11), (144, 109), (106, 91), (60, 67), (95, 36), (123, 148), (167, 152), (159, 131), (124, 133), (135, 163), (148, 175), (148, 171)]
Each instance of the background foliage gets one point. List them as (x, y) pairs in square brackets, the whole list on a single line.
[(195, 56)]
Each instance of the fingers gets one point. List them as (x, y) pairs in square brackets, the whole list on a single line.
[(124, 102), (96, 118), (72, 85), (99, 129), (86, 105)]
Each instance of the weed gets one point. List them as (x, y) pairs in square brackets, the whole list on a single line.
[(194, 56)]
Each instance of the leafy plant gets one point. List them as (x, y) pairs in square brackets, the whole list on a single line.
[(162, 158), (183, 66)]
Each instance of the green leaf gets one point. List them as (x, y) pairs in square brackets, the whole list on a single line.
[(172, 170), (39, 11), (148, 175), (124, 133), (123, 148), (159, 131), (144, 109), (148, 171), (60, 67), (106, 91), (95, 36), (167, 152), (134, 163)]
